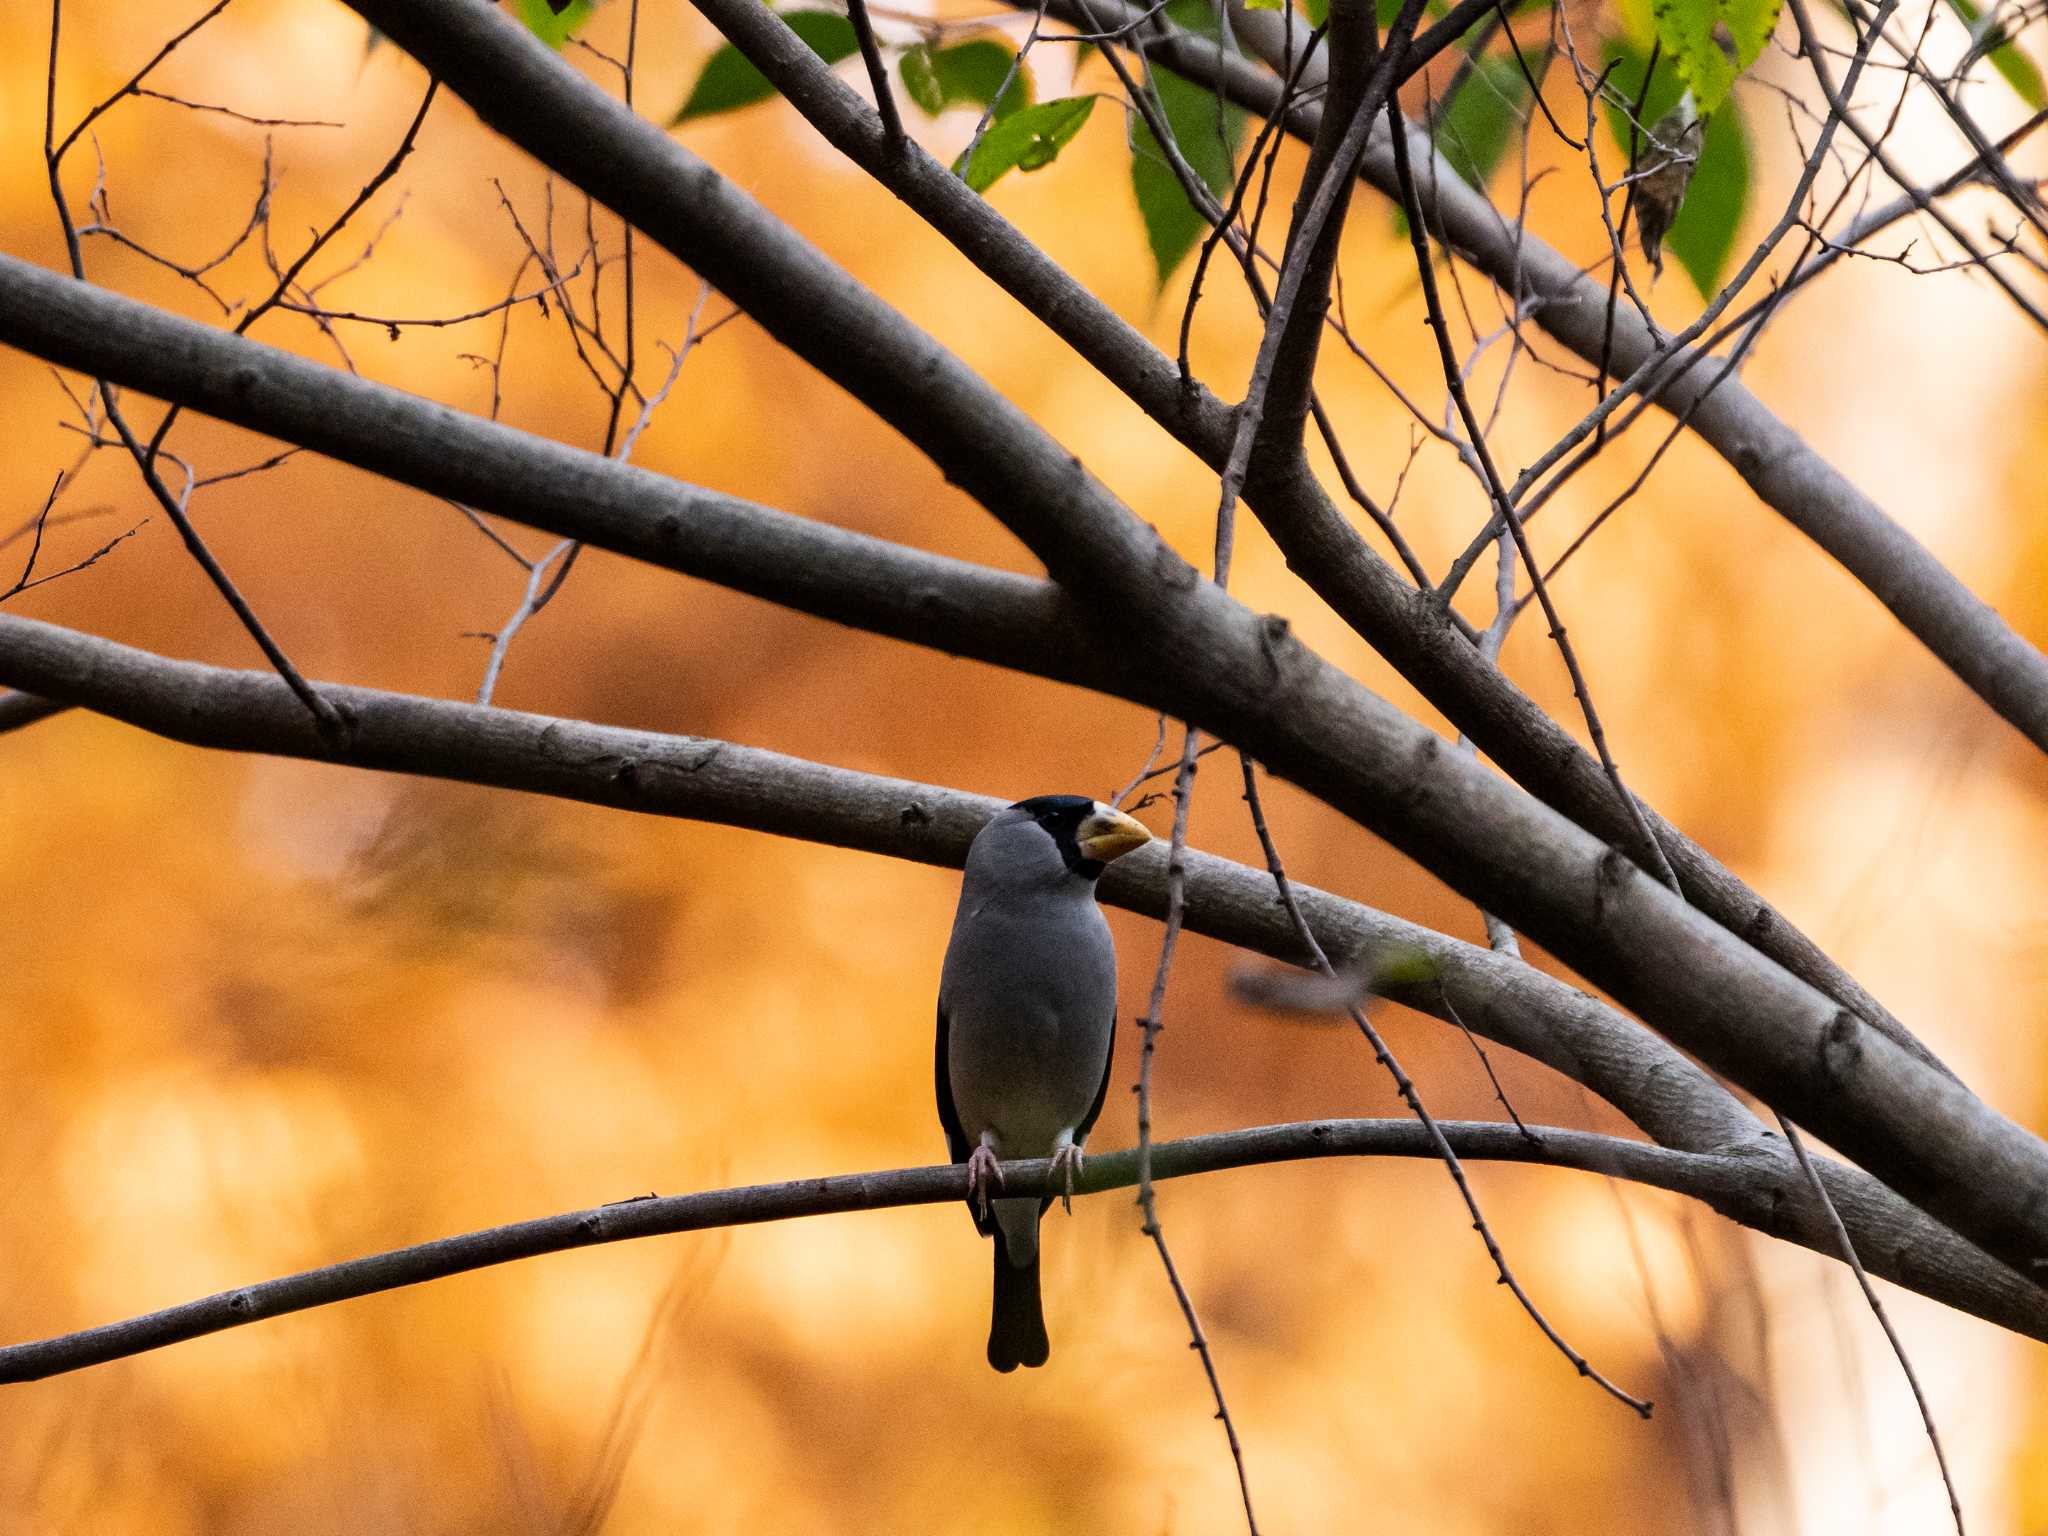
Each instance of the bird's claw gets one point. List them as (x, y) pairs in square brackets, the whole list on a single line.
[(982, 1167), (1067, 1162)]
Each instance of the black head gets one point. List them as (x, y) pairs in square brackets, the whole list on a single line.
[(1061, 817)]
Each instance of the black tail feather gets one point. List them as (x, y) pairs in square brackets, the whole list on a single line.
[(1016, 1329)]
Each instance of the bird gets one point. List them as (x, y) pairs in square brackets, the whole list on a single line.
[(1027, 1029), (1668, 163)]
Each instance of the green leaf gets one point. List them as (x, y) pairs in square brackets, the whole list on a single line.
[(730, 81), (966, 74), (1703, 237), (1208, 137), (1713, 41), (1474, 127), (1989, 37), (921, 80), (1027, 140), (1385, 11), (554, 24), (1317, 11), (1265, 5), (1207, 132)]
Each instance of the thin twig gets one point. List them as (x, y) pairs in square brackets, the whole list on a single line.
[(1848, 1250), (1149, 1026), (240, 117), (1305, 241), (529, 605), (1655, 376), (1151, 759), (129, 87), (1504, 505), (332, 727), (395, 323), (1406, 1088), (1485, 1061), (878, 72)]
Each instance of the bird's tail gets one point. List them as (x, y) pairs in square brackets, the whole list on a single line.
[(1016, 1328)]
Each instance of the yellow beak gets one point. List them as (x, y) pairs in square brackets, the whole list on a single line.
[(1109, 834)]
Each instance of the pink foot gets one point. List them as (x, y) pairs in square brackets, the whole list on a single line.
[(982, 1169), (1066, 1167)]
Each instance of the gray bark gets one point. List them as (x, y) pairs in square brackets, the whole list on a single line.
[(1407, 627)]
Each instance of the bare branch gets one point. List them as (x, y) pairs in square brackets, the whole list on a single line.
[(1717, 1180), (878, 72), (1846, 1251), (395, 323), (240, 117), (1317, 540), (1963, 631), (1504, 507), (1411, 1096)]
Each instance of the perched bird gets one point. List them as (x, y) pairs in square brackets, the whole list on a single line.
[(1027, 1023), (1665, 175)]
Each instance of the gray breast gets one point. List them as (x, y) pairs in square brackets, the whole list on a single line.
[(1029, 992)]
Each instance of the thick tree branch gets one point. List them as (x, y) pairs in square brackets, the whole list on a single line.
[(1728, 1184), (1274, 414), (949, 605), (1407, 627), (1200, 655), (1088, 541), (1207, 658), (1496, 995), (709, 780), (1963, 631)]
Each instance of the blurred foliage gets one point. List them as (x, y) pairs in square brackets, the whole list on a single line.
[(982, 72), (1206, 130), (260, 1016), (554, 22), (730, 81), (1473, 127), (1713, 41)]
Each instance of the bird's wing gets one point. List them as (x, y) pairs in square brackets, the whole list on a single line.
[(949, 1115), (942, 1083), (1102, 1091)]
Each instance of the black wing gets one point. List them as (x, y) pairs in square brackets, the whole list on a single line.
[(1101, 1093), (942, 1085), (949, 1116)]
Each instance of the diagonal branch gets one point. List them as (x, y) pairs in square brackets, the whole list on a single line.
[(1962, 631), (1412, 633), (1283, 374)]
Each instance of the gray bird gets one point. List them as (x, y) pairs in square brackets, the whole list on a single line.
[(1027, 1024)]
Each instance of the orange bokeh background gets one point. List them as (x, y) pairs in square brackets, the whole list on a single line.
[(263, 1015)]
